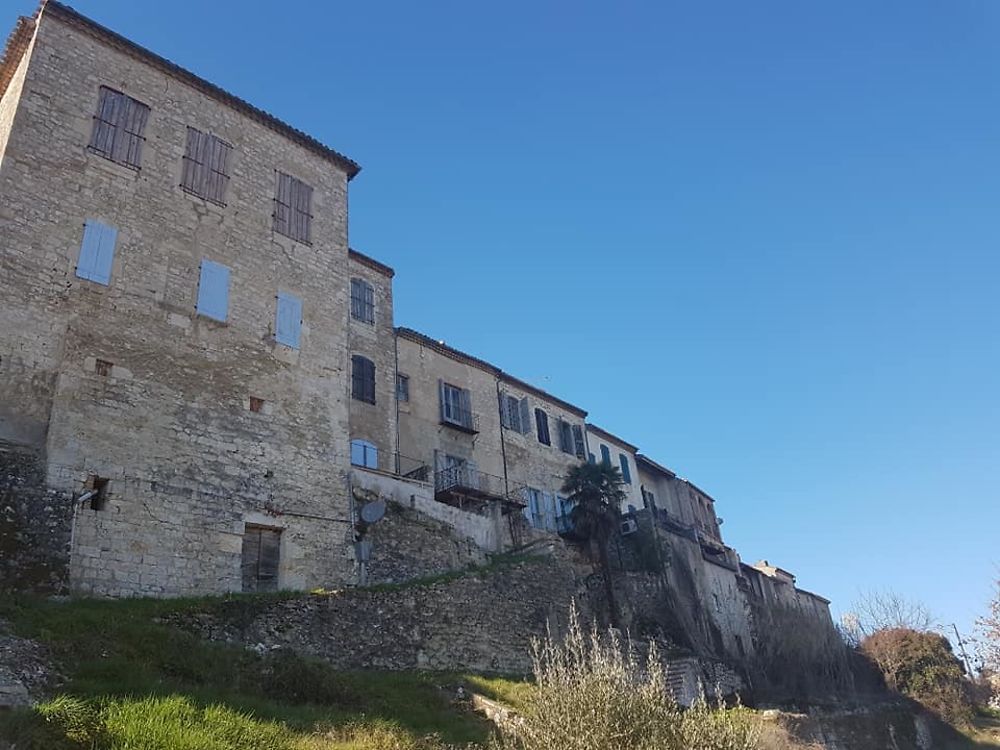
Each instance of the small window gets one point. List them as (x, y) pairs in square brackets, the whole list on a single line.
[(103, 367), (605, 455), (256, 404), (362, 379), (99, 487), (402, 387), (118, 128), (205, 169), (97, 252), (288, 326), (626, 473), (213, 291), (293, 208), (364, 454), (456, 406), (542, 423), (362, 301)]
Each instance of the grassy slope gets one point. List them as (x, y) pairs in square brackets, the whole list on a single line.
[(135, 683)]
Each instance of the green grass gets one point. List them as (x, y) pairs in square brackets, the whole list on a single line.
[(134, 682)]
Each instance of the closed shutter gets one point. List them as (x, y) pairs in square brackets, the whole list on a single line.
[(626, 474), (283, 204), (191, 172), (605, 455), (218, 170), (441, 394), (213, 290), (261, 558), (525, 417), (369, 300), (504, 410), (578, 445), (102, 138), (465, 401), (289, 320), (97, 252)]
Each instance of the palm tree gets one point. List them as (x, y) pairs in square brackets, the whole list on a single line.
[(595, 489)]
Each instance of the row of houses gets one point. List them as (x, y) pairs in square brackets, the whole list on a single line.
[(209, 374)]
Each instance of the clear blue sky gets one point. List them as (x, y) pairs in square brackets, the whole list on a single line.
[(759, 240)]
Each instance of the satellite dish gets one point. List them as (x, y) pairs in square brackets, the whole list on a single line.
[(373, 511)]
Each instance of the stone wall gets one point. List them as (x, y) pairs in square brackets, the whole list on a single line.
[(35, 525), (199, 427), (481, 622)]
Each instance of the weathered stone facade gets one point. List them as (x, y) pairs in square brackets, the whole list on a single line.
[(126, 382)]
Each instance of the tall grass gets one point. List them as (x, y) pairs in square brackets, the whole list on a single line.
[(593, 693)]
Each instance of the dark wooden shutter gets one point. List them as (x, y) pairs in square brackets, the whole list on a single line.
[(465, 402), (282, 204), (102, 138), (578, 441)]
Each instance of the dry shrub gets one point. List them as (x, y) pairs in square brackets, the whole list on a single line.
[(591, 693), (923, 667)]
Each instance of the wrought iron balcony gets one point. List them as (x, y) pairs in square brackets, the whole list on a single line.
[(457, 484)]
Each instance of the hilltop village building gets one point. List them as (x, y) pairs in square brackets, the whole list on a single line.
[(200, 381)]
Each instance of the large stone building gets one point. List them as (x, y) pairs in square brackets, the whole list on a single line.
[(201, 383)]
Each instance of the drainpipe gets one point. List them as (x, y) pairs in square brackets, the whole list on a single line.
[(395, 388)]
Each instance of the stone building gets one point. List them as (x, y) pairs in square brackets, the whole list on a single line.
[(201, 383), (174, 318)]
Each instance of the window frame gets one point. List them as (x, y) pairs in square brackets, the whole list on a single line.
[(207, 165), (368, 449), (542, 427), (119, 125), (292, 216), (363, 304), (403, 385), (456, 403), (363, 380), (625, 468)]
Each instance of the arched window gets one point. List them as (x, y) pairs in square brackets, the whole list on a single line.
[(362, 301), (362, 379), (364, 454)]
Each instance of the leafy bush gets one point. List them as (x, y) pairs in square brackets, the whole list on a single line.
[(922, 666), (590, 693)]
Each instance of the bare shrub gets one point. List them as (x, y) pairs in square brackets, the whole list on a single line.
[(592, 693), (886, 610)]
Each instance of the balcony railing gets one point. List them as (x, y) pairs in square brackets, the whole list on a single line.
[(461, 419), (468, 481)]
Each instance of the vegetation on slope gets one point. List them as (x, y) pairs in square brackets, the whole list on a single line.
[(134, 682)]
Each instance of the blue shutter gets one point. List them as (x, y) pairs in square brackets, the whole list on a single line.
[(626, 474), (97, 252), (357, 453), (605, 455), (213, 291), (289, 328)]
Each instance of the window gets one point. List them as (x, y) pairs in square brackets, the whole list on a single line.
[(542, 424), (256, 404), (118, 127), (293, 208), (362, 379), (261, 555), (565, 436), (364, 454), (362, 301), (605, 455), (103, 367), (97, 252), (571, 439), (626, 473), (99, 487), (456, 406), (288, 326), (515, 413), (213, 291), (205, 169), (402, 387)]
